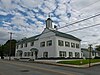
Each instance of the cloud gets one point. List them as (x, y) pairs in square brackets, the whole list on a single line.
[(28, 16)]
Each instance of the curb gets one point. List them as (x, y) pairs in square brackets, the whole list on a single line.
[(58, 64), (68, 65)]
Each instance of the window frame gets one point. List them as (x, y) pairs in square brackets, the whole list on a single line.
[(21, 46), (60, 43), (77, 45), (70, 54), (67, 44), (25, 54), (45, 54), (72, 45), (32, 43), (17, 46), (25, 45), (49, 43), (77, 54), (42, 44), (62, 54)]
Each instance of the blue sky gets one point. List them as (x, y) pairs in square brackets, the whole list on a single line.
[(26, 18)]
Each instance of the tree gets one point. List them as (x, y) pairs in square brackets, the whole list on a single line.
[(98, 48), (2, 51), (8, 50)]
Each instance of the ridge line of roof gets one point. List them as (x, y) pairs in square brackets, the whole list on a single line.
[(64, 34)]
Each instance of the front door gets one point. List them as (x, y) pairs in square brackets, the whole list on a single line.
[(36, 53)]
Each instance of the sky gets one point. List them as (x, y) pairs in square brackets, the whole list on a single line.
[(26, 18)]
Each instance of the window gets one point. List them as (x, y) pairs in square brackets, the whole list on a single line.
[(60, 43), (16, 46), (67, 44), (77, 54), (42, 44), (21, 46), (25, 44), (49, 43), (70, 54), (77, 45), (45, 54), (32, 53), (62, 53), (28, 53), (73, 45), (25, 53), (32, 43)]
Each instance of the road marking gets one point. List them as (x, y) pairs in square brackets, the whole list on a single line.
[(9, 62)]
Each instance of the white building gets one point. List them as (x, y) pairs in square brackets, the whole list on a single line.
[(89, 54), (49, 44)]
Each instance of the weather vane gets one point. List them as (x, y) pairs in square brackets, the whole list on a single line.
[(49, 15)]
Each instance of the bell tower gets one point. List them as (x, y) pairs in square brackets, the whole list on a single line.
[(49, 23)]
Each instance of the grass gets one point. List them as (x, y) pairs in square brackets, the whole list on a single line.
[(79, 62)]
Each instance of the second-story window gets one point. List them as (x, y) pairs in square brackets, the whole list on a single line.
[(32, 43), (42, 44), (67, 44), (77, 46), (16, 46), (60, 43), (73, 45), (21, 46), (25, 44), (49, 43)]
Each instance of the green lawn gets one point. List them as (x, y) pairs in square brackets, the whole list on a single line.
[(79, 62)]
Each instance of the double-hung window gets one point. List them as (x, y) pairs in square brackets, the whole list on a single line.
[(62, 53), (49, 43), (67, 44), (42, 44), (73, 45), (60, 43)]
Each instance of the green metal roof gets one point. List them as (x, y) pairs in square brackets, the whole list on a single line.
[(27, 40), (57, 33)]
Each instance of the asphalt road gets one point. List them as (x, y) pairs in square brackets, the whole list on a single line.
[(25, 68)]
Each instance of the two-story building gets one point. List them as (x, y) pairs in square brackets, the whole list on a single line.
[(49, 44)]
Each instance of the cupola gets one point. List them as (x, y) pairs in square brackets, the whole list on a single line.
[(49, 23)]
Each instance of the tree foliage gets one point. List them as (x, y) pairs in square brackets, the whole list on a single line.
[(8, 48)]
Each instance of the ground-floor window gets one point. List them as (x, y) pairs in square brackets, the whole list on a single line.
[(77, 54), (32, 53), (27, 54), (62, 53), (70, 54), (19, 53), (45, 54)]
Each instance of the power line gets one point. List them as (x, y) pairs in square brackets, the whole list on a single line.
[(89, 5), (79, 21), (84, 28)]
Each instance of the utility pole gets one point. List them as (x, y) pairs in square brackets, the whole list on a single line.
[(10, 45), (90, 49)]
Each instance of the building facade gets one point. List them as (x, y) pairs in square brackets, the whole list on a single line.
[(49, 44), (89, 54)]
